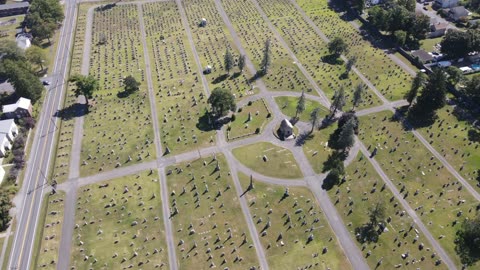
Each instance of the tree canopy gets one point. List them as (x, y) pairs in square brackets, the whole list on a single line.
[(417, 83), (43, 18), (300, 105), (221, 101), (468, 241), (266, 60), (131, 84), (314, 117), (458, 43), (5, 206), (85, 85), (22, 78), (37, 56), (472, 88), (337, 46), (228, 61), (241, 62), (338, 102)]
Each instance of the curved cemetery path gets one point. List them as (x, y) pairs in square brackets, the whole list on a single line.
[(311, 180)]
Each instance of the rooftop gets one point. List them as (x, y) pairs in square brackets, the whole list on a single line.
[(14, 5), (5, 126), (23, 103)]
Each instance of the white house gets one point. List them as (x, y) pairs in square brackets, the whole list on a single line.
[(2, 174), (5, 144), (21, 108), (9, 128), (23, 42)]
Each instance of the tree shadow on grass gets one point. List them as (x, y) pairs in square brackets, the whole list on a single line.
[(72, 111), (220, 79), (332, 59), (302, 138), (208, 123), (235, 75)]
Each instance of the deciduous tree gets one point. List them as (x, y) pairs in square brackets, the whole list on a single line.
[(221, 101), (337, 46), (85, 85)]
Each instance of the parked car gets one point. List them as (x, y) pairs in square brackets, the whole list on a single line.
[(46, 82)]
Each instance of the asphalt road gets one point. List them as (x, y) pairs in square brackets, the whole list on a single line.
[(37, 168)]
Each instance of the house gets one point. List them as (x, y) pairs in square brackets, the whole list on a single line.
[(423, 56), (13, 9), (2, 174), (8, 132), (21, 108), (9, 128), (446, 3), (286, 130), (437, 30), (23, 41), (457, 13)]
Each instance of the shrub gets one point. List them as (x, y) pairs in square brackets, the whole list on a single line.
[(257, 131), (233, 117)]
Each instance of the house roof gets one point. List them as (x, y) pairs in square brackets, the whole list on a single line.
[(286, 123), (14, 5), (422, 55), (23, 103), (6, 125), (3, 137), (440, 26), (23, 42)]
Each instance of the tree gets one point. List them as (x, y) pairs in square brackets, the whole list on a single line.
[(337, 46), (241, 62), (472, 88), (335, 161), (5, 206), (358, 95), (85, 85), (221, 101), (10, 50), (431, 99), (266, 61), (131, 85), (350, 63), (408, 4), (468, 241), (455, 43), (454, 74), (43, 30), (300, 105), (371, 231), (228, 61), (338, 102), (36, 55), (417, 83), (400, 37), (47, 10), (314, 116), (332, 179), (346, 138), (20, 75), (359, 6)]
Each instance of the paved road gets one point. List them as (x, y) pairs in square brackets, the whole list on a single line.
[(43, 143)]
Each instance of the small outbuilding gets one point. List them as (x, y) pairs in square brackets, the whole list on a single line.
[(23, 42), (285, 131), (207, 70), (21, 108), (203, 22), (423, 56)]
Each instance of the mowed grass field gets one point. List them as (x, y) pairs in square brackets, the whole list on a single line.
[(285, 225), (118, 224), (280, 162), (208, 224)]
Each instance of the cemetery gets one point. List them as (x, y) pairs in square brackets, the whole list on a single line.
[(268, 159), (117, 129), (248, 120), (439, 199), (316, 147), (211, 43), (311, 49), (292, 228), (253, 31), (354, 199), (118, 224), (450, 136), (208, 225), (288, 104), (181, 101), (47, 257), (391, 80)]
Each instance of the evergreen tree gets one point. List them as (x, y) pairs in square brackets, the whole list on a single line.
[(417, 83), (266, 61), (241, 62), (314, 117), (228, 61), (5, 206), (338, 102), (300, 105), (358, 95), (346, 138)]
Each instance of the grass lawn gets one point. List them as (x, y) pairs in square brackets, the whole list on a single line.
[(253, 31), (449, 136), (288, 105), (118, 129), (280, 161), (118, 224), (180, 98), (406, 61), (429, 43), (316, 147), (209, 227), (292, 250), (311, 50), (47, 257), (388, 78), (64, 141), (9, 25), (363, 190), (211, 43), (426, 185), (242, 127)]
